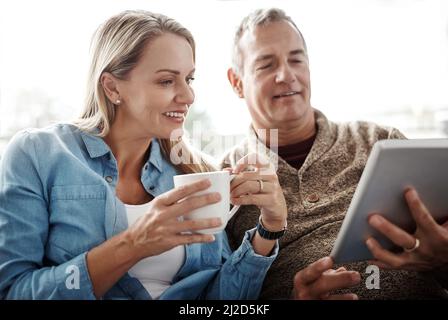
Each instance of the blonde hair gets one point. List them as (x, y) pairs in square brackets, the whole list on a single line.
[(260, 17), (116, 48)]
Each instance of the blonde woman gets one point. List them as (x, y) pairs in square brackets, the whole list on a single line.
[(88, 210)]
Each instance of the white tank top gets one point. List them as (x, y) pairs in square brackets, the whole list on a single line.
[(156, 273)]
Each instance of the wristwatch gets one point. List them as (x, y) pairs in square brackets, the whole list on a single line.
[(269, 235)]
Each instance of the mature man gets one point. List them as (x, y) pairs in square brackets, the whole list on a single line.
[(319, 166)]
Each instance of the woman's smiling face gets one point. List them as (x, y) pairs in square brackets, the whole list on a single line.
[(156, 94)]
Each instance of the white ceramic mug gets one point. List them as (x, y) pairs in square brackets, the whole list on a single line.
[(220, 182)]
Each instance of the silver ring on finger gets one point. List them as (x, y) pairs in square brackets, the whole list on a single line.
[(260, 182), (415, 247)]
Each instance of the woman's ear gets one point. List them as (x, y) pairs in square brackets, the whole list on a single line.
[(235, 82), (109, 84)]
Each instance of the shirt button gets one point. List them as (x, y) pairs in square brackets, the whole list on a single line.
[(109, 179), (312, 198), (152, 188)]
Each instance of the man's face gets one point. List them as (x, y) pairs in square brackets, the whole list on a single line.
[(276, 76)]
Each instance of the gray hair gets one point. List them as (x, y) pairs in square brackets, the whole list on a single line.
[(260, 17), (116, 48)]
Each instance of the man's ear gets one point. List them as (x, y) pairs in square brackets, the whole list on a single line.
[(109, 84), (235, 82)]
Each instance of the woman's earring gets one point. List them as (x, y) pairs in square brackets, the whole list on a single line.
[(117, 102)]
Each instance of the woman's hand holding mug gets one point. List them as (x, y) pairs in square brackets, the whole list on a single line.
[(220, 184), (161, 229)]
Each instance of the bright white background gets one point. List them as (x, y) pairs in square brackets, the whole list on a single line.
[(378, 60)]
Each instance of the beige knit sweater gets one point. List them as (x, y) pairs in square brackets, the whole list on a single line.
[(318, 196)]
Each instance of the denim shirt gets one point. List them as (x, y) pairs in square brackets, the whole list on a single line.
[(57, 202)]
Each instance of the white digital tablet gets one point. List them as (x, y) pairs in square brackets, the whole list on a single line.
[(394, 165)]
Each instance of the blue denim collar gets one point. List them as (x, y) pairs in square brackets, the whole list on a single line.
[(97, 147), (155, 156)]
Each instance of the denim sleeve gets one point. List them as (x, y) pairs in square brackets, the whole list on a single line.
[(24, 232), (242, 274)]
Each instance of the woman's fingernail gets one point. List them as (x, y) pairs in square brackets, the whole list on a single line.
[(369, 243)]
